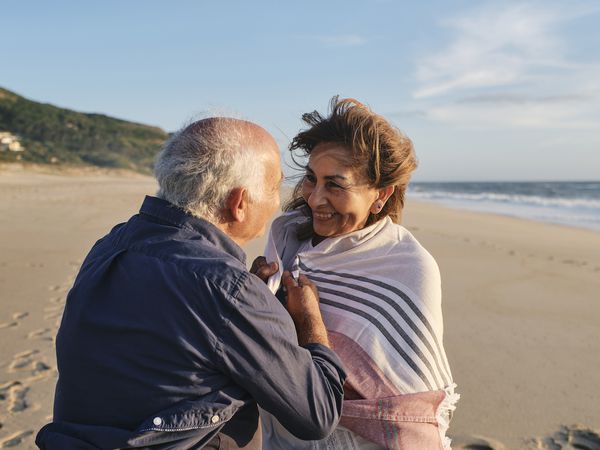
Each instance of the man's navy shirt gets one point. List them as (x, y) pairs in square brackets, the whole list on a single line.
[(167, 340)]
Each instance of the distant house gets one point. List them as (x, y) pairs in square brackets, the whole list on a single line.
[(10, 142)]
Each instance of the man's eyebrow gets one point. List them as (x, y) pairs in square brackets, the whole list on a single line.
[(329, 177)]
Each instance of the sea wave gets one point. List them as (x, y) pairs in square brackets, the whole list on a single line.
[(532, 200), (569, 203)]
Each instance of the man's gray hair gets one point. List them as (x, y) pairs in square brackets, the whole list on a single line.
[(200, 164)]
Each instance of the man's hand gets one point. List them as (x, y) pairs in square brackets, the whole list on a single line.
[(303, 306), (262, 269)]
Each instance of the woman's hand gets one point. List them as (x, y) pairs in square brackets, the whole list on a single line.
[(303, 306), (262, 269)]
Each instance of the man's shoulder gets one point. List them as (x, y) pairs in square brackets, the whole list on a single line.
[(199, 260), (177, 245), (178, 253)]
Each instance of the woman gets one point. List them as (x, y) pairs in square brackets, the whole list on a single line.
[(379, 288)]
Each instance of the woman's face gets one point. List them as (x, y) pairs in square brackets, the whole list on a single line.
[(339, 198)]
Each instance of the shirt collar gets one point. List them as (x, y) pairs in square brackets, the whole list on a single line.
[(167, 212)]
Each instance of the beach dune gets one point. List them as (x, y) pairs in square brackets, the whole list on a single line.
[(521, 307)]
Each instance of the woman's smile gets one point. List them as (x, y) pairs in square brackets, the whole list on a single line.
[(322, 216)]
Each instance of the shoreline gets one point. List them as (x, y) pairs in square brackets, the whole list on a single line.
[(571, 203), (500, 215), (479, 209), (519, 301)]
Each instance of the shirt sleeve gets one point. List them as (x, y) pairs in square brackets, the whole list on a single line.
[(301, 386)]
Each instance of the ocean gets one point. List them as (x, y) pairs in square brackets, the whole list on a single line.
[(575, 204)]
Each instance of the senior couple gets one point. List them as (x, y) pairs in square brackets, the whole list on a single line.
[(333, 340)]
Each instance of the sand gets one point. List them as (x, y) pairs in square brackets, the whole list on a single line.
[(521, 307)]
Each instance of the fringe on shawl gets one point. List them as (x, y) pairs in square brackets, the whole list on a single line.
[(444, 414)]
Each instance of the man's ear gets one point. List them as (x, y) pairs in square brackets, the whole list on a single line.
[(237, 204)]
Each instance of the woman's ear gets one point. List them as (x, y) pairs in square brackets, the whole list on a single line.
[(386, 193), (382, 196)]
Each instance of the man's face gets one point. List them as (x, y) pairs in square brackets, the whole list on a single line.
[(261, 209)]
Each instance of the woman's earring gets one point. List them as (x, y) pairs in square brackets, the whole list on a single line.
[(378, 205)]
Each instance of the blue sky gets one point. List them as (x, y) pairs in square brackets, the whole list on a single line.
[(494, 90)]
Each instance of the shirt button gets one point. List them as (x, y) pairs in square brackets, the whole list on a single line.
[(157, 421), (215, 418)]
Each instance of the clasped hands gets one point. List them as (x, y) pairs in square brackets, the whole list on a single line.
[(302, 302)]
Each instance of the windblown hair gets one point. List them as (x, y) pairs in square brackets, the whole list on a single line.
[(200, 164), (379, 151)]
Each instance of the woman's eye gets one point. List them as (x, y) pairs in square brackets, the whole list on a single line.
[(332, 185), (310, 178)]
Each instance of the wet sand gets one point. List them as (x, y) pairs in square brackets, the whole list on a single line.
[(521, 307)]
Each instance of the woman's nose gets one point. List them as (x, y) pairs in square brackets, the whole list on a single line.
[(316, 197)]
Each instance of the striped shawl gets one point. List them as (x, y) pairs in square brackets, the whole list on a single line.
[(380, 299)]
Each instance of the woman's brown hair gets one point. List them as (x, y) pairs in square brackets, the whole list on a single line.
[(379, 151)]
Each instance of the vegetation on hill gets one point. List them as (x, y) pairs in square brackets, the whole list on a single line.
[(56, 135)]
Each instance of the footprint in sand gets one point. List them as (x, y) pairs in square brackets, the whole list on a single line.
[(17, 398), (15, 439), (475, 443), (39, 334), (53, 311), (21, 360), (475, 447), (19, 315), (574, 437), (15, 320), (16, 393), (25, 362), (574, 262), (53, 315), (5, 388), (57, 300)]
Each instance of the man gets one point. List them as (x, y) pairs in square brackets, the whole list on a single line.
[(167, 341)]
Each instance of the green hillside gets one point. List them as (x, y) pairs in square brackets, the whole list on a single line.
[(50, 134)]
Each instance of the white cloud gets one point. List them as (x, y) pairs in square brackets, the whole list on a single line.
[(512, 98), (522, 116), (493, 46), (576, 106), (509, 64)]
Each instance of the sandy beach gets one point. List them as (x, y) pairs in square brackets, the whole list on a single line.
[(521, 308)]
